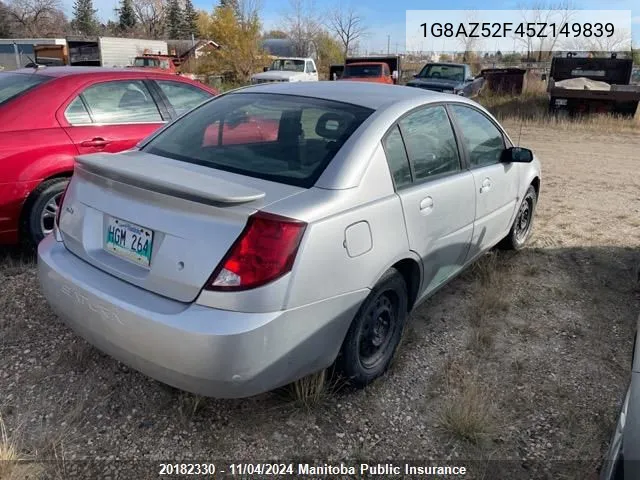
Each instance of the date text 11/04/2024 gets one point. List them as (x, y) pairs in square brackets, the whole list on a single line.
[(267, 469), (509, 29)]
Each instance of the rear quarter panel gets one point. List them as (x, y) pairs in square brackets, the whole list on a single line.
[(325, 267)]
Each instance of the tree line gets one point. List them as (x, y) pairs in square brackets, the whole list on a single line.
[(156, 19), (236, 25)]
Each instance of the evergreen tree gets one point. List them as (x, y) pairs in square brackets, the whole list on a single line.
[(84, 17), (174, 19), (190, 20), (127, 18)]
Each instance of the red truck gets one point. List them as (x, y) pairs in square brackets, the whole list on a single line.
[(160, 62), (368, 69)]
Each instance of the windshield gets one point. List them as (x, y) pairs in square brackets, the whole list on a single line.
[(445, 72), (13, 84), (362, 71), (150, 62), (282, 138), (288, 65)]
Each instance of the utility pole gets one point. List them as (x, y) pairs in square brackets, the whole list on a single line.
[(388, 43)]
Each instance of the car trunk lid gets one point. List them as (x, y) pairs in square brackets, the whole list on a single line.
[(194, 214)]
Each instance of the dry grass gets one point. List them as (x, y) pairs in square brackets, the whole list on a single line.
[(190, 404), (531, 108), (13, 465), (467, 412), (309, 391)]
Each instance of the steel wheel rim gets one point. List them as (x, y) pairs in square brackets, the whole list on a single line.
[(523, 220), (49, 212), (377, 331)]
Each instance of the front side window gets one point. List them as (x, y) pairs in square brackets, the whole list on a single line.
[(431, 143), (126, 101), (283, 138), (182, 96), (482, 139)]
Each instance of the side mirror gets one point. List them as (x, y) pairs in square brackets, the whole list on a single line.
[(265, 69), (517, 155), (415, 75), (394, 75)]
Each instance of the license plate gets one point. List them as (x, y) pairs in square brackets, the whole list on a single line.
[(129, 241)]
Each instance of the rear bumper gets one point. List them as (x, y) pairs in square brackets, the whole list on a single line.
[(195, 348)]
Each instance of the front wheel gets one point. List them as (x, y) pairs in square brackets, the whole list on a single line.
[(375, 332), (523, 223)]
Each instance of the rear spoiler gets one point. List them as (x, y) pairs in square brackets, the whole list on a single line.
[(168, 177)]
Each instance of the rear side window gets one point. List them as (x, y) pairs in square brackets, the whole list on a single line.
[(283, 138), (14, 84), (430, 142), (182, 96), (122, 101), (397, 158), (76, 113)]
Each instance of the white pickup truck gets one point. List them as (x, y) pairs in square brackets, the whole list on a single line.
[(290, 69)]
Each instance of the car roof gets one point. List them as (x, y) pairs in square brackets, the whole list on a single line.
[(73, 71), (365, 63), (364, 94)]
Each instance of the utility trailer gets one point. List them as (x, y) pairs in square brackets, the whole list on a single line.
[(110, 51), (579, 85)]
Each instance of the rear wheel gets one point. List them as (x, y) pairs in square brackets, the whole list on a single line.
[(521, 228), (42, 209), (375, 332)]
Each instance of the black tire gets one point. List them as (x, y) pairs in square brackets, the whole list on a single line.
[(375, 332), (522, 224), (35, 226)]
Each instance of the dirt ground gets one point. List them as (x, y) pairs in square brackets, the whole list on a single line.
[(515, 369)]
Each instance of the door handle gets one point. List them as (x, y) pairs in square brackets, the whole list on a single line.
[(426, 205), (486, 185), (95, 142)]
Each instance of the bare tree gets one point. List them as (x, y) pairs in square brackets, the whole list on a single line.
[(35, 18), (469, 43), (542, 11), (151, 16), (619, 41), (303, 25), (348, 26), (248, 10)]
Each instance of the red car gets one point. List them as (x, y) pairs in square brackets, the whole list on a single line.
[(49, 115)]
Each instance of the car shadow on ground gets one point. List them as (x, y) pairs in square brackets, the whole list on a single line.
[(534, 345)]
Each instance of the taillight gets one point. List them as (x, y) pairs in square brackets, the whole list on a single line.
[(64, 192), (264, 252)]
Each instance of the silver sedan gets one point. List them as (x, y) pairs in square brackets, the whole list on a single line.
[(280, 228)]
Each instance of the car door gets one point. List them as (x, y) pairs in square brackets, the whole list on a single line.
[(496, 183), (311, 73), (181, 96), (437, 193), (112, 116)]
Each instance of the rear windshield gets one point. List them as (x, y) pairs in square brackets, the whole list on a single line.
[(283, 138), (13, 84), (361, 71)]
